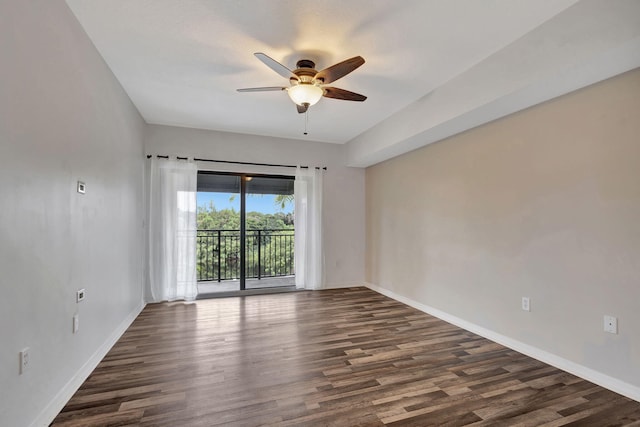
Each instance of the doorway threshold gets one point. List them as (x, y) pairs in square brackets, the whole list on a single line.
[(261, 291)]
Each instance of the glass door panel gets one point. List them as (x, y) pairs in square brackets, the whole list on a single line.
[(218, 240), (269, 232)]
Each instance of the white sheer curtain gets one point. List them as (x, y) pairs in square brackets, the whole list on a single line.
[(309, 256), (172, 230)]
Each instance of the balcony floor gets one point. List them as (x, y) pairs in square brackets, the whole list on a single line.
[(271, 283)]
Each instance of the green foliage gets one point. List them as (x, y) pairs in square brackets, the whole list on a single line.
[(212, 219), (269, 247), (282, 200)]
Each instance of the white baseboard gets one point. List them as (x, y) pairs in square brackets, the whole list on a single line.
[(57, 403), (596, 377), (345, 285)]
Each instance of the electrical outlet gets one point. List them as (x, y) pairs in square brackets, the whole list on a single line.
[(79, 295), (610, 324), (526, 304), (24, 360), (76, 323)]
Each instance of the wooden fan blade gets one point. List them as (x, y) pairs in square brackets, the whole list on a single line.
[(302, 108), (261, 89), (337, 93), (275, 66), (339, 70)]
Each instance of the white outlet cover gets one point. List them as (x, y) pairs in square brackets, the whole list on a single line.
[(611, 324), (526, 304), (76, 323)]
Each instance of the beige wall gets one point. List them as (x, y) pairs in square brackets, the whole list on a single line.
[(544, 203)]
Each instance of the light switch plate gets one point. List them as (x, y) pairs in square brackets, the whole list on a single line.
[(24, 360), (81, 187)]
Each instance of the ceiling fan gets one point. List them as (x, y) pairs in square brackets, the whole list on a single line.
[(306, 85)]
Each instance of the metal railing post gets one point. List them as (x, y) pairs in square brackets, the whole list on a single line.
[(259, 263), (219, 256)]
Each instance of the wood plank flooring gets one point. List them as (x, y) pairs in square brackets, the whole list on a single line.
[(347, 357)]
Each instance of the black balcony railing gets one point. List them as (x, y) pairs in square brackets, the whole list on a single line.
[(269, 253)]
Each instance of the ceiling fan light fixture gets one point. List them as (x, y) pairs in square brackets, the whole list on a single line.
[(305, 93), (306, 85)]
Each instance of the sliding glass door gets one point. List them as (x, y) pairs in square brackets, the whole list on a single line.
[(245, 234)]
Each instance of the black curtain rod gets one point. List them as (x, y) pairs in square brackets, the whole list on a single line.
[(236, 163)]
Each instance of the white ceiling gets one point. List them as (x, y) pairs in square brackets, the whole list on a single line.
[(182, 61)]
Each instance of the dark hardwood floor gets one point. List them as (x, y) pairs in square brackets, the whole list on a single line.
[(347, 357)]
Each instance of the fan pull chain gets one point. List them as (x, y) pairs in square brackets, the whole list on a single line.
[(306, 121)]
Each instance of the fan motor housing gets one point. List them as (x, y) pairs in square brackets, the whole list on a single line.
[(306, 70)]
